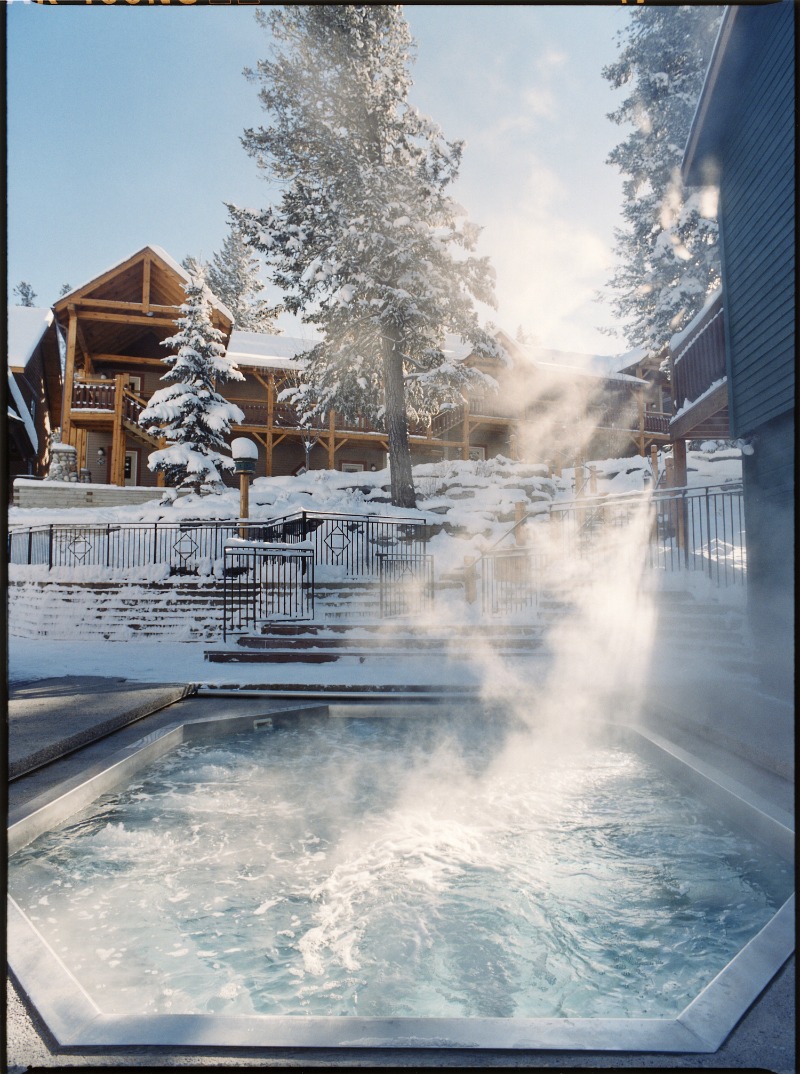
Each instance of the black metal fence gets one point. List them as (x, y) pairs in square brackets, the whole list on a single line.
[(692, 529), (266, 584), (511, 579), (181, 546), (406, 583), (351, 542)]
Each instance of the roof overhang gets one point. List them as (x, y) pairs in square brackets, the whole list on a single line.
[(717, 107)]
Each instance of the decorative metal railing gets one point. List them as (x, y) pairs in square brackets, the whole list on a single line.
[(265, 584), (348, 542), (406, 583), (694, 529), (512, 579)]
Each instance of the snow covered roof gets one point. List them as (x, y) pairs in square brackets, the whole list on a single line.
[(22, 411), (260, 350), (573, 363), (679, 337), (26, 326)]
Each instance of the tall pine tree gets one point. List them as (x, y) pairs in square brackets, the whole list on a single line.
[(667, 253), (189, 413), (365, 242), (233, 278)]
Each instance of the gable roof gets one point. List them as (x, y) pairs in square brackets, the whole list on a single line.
[(168, 281)]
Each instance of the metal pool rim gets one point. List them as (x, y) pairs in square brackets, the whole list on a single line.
[(75, 1020)]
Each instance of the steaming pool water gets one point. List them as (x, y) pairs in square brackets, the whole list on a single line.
[(375, 867)]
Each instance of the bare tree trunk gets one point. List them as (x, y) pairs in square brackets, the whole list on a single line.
[(403, 494)]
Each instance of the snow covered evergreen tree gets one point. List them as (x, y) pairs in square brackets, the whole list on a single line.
[(189, 413), (233, 277), (366, 242), (667, 254)]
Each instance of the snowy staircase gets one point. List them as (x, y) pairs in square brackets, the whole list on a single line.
[(185, 610), (318, 644), (688, 629)]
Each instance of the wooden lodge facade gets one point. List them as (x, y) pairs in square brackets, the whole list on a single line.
[(114, 327)]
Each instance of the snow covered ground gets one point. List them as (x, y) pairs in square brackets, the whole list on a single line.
[(476, 500)]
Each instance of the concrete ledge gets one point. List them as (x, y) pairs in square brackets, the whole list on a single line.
[(52, 717)]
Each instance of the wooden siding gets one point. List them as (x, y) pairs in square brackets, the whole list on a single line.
[(757, 223)]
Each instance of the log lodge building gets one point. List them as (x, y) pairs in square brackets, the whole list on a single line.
[(111, 332)]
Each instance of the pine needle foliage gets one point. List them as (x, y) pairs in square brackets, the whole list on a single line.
[(189, 413), (365, 241), (667, 252)]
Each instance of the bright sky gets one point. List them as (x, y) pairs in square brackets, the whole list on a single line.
[(124, 126)]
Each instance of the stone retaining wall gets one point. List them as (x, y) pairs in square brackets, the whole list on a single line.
[(29, 493)]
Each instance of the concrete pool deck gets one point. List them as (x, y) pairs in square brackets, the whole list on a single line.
[(45, 720)]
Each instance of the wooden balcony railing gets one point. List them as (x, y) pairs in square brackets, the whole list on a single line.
[(699, 360), (102, 395)]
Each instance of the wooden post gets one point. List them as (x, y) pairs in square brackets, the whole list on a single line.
[(593, 480), (519, 518), (69, 374), (654, 463), (118, 436), (465, 434), (332, 440), (470, 580), (641, 403), (270, 422), (578, 477), (679, 475), (679, 455), (161, 480), (244, 502), (669, 466)]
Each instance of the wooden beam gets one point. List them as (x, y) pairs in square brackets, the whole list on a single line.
[(69, 373), (118, 437), (121, 318), (714, 405), (129, 359), (146, 283), (87, 354), (125, 307)]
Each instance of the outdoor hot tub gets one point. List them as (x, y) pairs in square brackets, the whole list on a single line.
[(387, 875)]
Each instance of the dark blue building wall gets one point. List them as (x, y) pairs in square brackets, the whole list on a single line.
[(757, 219), (744, 134)]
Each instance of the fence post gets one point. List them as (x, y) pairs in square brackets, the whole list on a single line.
[(50, 549), (30, 545), (519, 518), (470, 580), (654, 464)]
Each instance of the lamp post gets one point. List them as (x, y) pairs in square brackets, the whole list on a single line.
[(245, 455)]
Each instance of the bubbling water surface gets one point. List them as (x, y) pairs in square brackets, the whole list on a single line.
[(397, 867)]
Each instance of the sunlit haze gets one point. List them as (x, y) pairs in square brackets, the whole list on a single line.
[(124, 129)]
